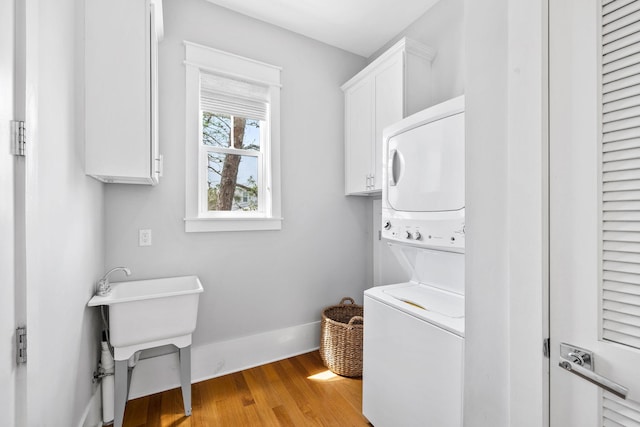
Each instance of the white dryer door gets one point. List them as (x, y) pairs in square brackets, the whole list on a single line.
[(426, 167)]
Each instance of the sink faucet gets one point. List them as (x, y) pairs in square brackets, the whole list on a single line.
[(104, 287)]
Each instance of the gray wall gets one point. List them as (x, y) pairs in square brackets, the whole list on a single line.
[(254, 281), (442, 28)]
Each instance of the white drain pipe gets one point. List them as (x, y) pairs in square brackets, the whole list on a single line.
[(107, 364)]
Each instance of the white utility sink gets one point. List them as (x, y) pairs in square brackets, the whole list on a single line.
[(151, 313)]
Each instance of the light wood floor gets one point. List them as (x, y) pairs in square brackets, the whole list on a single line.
[(298, 391)]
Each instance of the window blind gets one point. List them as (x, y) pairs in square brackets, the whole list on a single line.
[(233, 97), (621, 172)]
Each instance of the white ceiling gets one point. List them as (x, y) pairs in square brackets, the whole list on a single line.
[(357, 26)]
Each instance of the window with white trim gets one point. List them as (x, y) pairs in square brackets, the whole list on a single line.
[(232, 142)]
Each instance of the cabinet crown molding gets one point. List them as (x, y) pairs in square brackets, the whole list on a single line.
[(407, 44)]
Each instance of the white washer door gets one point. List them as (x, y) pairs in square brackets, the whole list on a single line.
[(412, 370)]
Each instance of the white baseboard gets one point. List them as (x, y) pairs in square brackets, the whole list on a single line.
[(220, 358), (92, 416)]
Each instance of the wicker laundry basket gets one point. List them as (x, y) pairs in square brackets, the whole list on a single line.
[(341, 338)]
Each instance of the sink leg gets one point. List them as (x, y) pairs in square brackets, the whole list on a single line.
[(185, 378), (129, 376), (121, 391)]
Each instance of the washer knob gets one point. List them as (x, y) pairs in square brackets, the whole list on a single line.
[(417, 235), (387, 225), (408, 235)]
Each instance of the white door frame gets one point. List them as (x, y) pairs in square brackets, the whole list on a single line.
[(8, 368), (528, 202), (506, 373), (13, 389)]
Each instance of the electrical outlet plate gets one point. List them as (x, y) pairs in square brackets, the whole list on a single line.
[(144, 237)]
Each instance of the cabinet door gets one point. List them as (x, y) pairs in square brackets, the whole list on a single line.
[(389, 108), (359, 118), (119, 39), (154, 22)]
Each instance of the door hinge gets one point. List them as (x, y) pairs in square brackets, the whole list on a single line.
[(546, 347), (21, 345), (18, 138), (160, 165)]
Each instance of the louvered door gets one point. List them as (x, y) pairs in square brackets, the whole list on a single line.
[(594, 166), (621, 171)]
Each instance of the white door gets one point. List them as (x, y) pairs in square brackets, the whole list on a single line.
[(595, 210)]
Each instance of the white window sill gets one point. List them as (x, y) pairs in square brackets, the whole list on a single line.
[(202, 225)]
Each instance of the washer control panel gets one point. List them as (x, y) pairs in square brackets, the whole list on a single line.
[(445, 234)]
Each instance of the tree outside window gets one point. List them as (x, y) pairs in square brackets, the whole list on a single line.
[(233, 145)]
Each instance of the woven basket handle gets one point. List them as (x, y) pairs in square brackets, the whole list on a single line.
[(356, 319), (351, 301)]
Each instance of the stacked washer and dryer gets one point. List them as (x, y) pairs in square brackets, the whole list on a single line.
[(414, 331)]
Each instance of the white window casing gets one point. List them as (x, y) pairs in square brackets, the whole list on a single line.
[(221, 82)]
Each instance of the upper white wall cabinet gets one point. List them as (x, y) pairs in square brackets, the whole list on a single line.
[(394, 86), (121, 102)]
